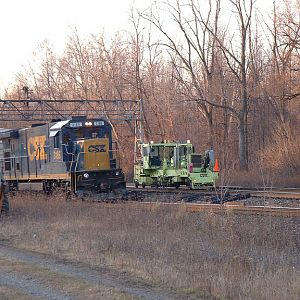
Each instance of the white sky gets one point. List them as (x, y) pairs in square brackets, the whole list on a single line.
[(24, 24)]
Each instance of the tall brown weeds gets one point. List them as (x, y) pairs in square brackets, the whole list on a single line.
[(202, 254), (282, 156)]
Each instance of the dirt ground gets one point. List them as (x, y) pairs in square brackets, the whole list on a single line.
[(29, 275)]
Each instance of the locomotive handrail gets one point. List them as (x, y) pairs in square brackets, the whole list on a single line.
[(65, 145), (10, 157)]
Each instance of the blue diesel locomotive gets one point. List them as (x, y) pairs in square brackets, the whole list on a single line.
[(78, 155)]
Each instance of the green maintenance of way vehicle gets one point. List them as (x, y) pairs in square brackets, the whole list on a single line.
[(172, 164)]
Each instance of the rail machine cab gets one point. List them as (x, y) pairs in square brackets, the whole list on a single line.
[(175, 164)]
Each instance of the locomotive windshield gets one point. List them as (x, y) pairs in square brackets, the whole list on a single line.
[(82, 133), (86, 132)]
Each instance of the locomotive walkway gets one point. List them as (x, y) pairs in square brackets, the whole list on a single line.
[(30, 275)]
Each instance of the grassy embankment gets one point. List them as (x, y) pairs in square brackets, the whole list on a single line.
[(205, 255)]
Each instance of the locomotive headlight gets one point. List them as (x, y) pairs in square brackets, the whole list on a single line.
[(86, 175), (117, 173)]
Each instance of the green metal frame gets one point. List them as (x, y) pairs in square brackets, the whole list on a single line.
[(174, 164)]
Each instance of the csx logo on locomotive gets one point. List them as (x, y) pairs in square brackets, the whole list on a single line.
[(36, 147), (97, 148)]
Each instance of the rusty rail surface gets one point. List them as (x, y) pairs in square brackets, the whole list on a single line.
[(228, 208)]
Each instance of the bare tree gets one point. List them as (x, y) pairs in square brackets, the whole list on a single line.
[(194, 56)]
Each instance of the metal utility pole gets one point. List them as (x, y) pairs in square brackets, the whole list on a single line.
[(46, 110)]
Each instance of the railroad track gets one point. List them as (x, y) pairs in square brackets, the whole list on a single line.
[(194, 201), (219, 208), (265, 192), (201, 200), (237, 187), (269, 192)]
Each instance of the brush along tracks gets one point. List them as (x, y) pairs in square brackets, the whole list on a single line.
[(218, 200), (217, 195)]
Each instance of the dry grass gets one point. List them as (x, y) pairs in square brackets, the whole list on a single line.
[(264, 178), (205, 255)]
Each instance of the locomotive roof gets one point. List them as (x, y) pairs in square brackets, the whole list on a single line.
[(58, 125), (4, 130), (54, 129), (6, 133)]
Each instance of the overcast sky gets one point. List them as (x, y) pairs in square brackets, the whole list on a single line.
[(24, 24)]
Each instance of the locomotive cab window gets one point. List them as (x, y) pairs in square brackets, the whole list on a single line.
[(56, 140), (79, 133), (7, 164)]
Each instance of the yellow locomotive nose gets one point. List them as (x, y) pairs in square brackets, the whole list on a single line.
[(96, 154)]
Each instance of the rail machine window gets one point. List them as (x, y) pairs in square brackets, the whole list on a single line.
[(156, 155)]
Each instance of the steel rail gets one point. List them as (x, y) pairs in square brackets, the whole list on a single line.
[(283, 194), (224, 208), (259, 188)]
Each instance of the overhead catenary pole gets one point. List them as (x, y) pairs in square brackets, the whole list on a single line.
[(129, 112), (138, 134)]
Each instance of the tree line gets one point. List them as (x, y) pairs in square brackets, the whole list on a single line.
[(216, 72)]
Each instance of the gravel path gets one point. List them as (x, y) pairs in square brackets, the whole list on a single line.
[(34, 287)]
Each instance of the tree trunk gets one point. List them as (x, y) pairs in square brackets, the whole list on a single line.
[(209, 118), (242, 144)]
